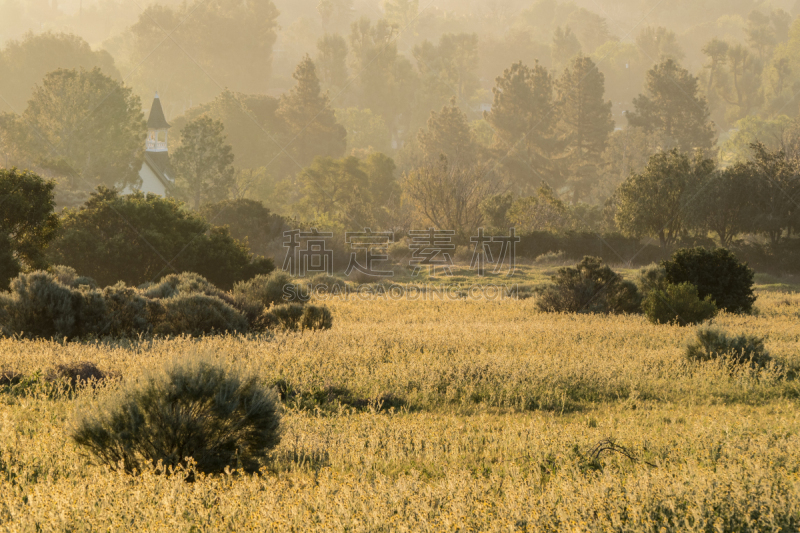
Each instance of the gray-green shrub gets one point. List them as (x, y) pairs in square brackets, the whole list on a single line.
[(277, 288), (711, 343), (199, 314), (191, 409), (316, 317), (677, 304)]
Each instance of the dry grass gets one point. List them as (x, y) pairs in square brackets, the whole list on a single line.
[(502, 408)]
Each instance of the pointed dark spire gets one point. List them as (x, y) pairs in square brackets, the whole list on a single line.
[(157, 120)]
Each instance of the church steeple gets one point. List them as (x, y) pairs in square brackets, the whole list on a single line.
[(157, 127)]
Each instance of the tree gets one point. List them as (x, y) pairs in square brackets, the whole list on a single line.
[(27, 221), (203, 164), (226, 40), (140, 238), (387, 80), (86, 126), (524, 121), (449, 196), (25, 62), (252, 128), (332, 61), (565, 46), (723, 203), (449, 134), (248, 221), (337, 191), (311, 122), (672, 105), (658, 44), (585, 122), (743, 87), (366, 131), (540, 212), (777, 192), (654, 202), (449, 69)]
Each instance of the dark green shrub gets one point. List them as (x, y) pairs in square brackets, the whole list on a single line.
[(716, 273), (325, 284), (711, 344), (677, 304), (9, 266), (197, 315), (192, 410), (69, 277), (590, 287), (316, 317)]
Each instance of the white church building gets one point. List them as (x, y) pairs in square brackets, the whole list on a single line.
[(155, 168)]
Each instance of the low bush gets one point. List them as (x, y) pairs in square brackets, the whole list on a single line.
[(716, 273), (82, 372), (677, 304), (191, 409), (324, 284), (711, 344), (590, 287), (277, 288), (316, 317), (199, 314)]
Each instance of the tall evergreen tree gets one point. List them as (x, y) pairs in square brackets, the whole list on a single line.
[(524, 119), (585, 122), (332, 61), (674, 106), (311, 122), (449, 134), (203, 164)]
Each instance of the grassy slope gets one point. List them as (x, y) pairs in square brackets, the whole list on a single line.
[(498, 409)]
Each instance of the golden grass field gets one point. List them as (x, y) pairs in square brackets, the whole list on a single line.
[(495, 412)]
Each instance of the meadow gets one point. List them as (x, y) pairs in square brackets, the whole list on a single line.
[(442, 414)]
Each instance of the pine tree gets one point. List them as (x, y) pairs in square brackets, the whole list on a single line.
[(449, 134), (311, 122), (585, 122), (524, 119), (673, 105), (203, 164), (332, 61)]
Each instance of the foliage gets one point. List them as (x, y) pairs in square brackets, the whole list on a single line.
[(311, 122), (590, 287), (270, 290), (137, 238), (724, 203), (84, 126), (26, 61), (585, 123), (9, 266), (674, 106), (192, 409), (203, 163), (711, 344), (248, 222), (677, 304), (654, 202), (27, 221), (284, 316), (716, 274), (448, 136), (366, 131), (197, 315)]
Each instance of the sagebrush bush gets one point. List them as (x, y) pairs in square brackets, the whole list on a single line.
[(199, 314), (324, 283), (711, 343), (277, 288), (191, 409), (40, 306), (551, 258), (316, 317), (131, 313), (716, 273), (590, 287), (284, 316), (81, 372), (677, 304)]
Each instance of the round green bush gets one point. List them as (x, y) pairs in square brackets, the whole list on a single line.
[(590, 287), (711, 343), (197, 315), (677, 304), (716, 273), (277, 288), (191, 409), (316, 317)]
